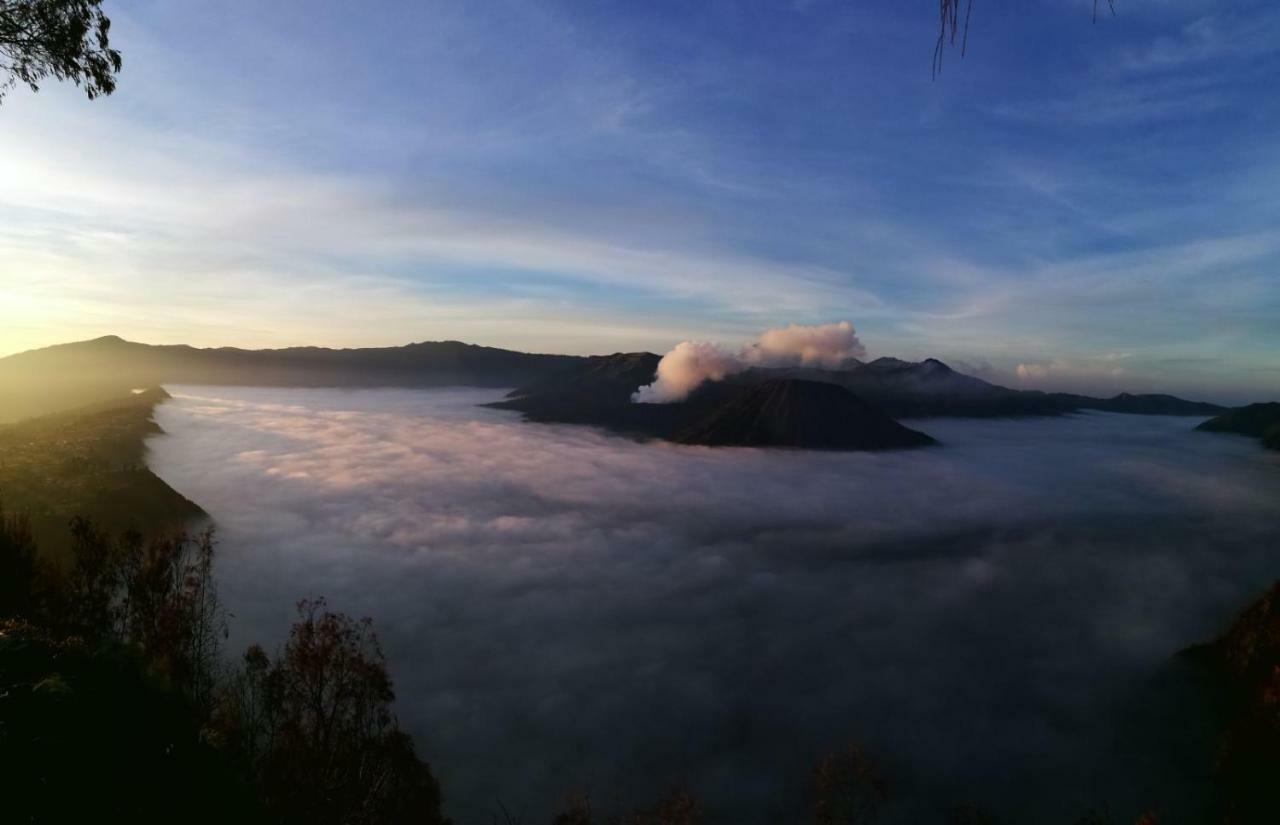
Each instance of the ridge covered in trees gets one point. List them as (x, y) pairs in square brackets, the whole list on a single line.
[(116, 702), (89, 462)]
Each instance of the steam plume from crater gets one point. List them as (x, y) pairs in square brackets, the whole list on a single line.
[(691, 363)]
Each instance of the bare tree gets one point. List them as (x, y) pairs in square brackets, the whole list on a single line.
[(169, 606)]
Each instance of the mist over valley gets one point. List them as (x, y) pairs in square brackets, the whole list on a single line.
[(564, 608)]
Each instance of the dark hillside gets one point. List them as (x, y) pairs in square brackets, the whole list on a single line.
[(1242, 670), (88, 462), (1145, 404), (1256, 420), (89, 734), (56, 378)]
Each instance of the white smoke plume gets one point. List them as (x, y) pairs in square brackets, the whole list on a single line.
[(690, 363)]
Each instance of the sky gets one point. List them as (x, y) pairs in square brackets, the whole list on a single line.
[(1074, 205)]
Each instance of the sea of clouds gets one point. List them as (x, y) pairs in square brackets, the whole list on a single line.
[(564, 609)]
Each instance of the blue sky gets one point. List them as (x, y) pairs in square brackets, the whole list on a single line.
[(1072, 205)]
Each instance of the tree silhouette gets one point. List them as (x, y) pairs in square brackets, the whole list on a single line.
[(62, 39), (849, 789), (17, 564), (679, 807), (318, 728)]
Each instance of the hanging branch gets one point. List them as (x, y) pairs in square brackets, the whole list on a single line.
[(62, 39), (949, 27)]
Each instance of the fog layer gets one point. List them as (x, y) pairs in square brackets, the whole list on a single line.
[(564, 609)]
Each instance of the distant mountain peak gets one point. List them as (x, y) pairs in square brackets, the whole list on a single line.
[(935, 365)]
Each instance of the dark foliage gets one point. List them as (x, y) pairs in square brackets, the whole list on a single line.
[(62, 39), (971, 815), (1243, 666), (115, 610), (1096, 817), (158, 596), (17, 565), (317, 730), (677, 808), (88, 733), (848, 789), (577, 811), (115, 706)]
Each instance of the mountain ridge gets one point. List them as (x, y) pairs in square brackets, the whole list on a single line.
[(569, 388), (69, 375)]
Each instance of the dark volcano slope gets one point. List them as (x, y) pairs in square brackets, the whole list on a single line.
[(776, 412), (807, 414), (598, 392), (1257, 420), (609, 379)]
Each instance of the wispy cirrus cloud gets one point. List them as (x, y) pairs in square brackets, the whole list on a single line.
[(556, 177)]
